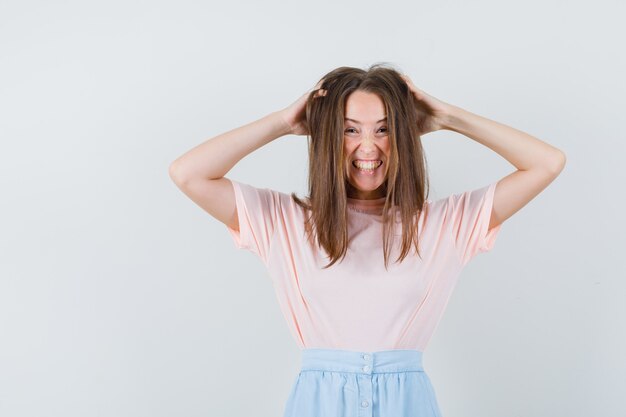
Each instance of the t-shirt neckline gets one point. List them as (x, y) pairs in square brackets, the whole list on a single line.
[(372, 206)]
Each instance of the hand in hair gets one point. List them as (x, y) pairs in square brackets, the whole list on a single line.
[(432, 112), (295, 114)]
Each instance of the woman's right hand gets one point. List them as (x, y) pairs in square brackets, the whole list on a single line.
[(294, 115)]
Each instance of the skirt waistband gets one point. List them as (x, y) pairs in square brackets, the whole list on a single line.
[(396, 360)]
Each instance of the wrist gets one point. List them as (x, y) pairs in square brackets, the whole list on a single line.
[(283, 127), (453, 118)]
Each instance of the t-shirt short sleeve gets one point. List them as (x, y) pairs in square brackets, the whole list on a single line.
[(256, 212), (470, 213)]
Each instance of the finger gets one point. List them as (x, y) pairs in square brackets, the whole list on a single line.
[(319, 93)]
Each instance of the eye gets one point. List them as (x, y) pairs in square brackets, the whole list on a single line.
[(351, 129)]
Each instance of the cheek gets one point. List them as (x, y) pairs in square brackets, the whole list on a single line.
[(347, 151), (387, 150)]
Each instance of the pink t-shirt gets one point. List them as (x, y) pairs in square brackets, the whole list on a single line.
[(356, 304)]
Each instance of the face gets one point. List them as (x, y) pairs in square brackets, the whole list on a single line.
[(366, 139)]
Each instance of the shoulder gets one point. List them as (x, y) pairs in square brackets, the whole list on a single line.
[(461, 200), (268, 199)]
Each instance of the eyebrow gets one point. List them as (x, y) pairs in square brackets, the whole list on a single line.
[(357, 122)]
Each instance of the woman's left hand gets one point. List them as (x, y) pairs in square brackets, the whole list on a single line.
[(433, 113)]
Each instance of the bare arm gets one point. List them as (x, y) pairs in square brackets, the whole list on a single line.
[(213, 158), (538, 163), (199, 173)]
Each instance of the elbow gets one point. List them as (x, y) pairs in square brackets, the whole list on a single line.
[(176, 173), (558, 162)]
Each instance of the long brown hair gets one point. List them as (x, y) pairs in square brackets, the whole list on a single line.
[(406, 183)]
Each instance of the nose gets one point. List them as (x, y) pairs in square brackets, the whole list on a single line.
[(367, 143)]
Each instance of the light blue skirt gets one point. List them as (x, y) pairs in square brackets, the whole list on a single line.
[(344, 383)]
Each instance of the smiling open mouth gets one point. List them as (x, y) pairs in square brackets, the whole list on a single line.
[(367, 166)]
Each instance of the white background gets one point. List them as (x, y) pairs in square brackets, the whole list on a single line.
[(120, 297)]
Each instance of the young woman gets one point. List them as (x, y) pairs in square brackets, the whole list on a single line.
[(362, 322)]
